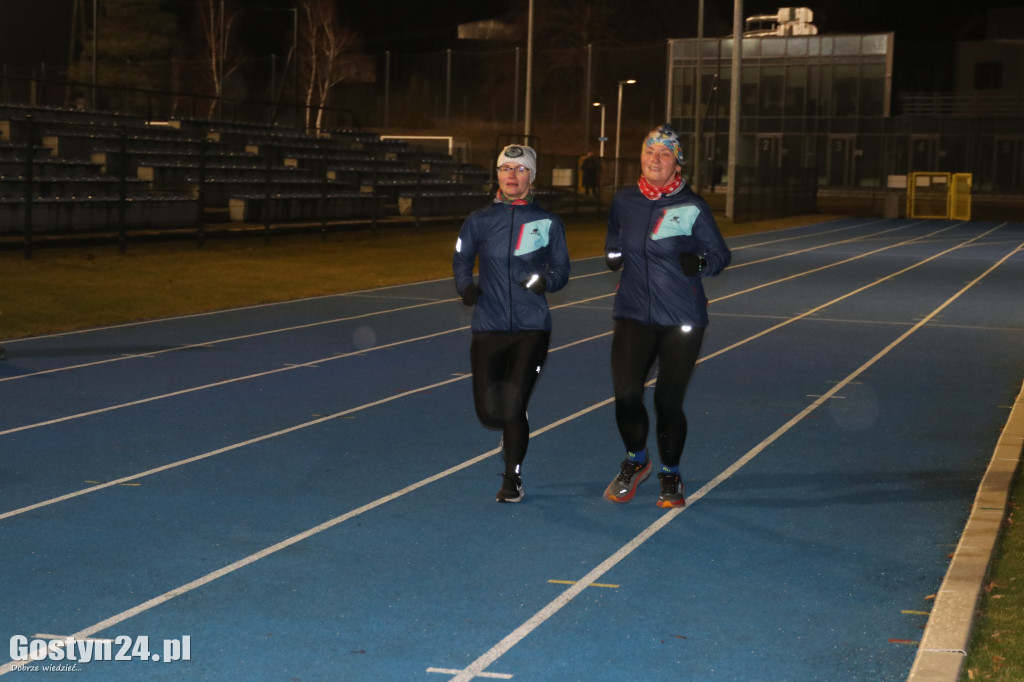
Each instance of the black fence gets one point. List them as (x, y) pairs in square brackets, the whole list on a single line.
[(766, 193)]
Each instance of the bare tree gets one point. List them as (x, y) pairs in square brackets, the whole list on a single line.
[(216, 19), (327, 55)]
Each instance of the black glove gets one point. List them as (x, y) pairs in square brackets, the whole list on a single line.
[(536, 284), (692, 264), (470, 294), (613, 259)]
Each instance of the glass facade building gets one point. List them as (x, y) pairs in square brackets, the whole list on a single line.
[(805, 102), (825, 102)]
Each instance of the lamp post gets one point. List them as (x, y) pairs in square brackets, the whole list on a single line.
[(95, 37), (618, 128), (528, 116), (602, 139), (734, 106), (697, 132)]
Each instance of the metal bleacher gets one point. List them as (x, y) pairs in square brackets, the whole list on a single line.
[(66, 171)]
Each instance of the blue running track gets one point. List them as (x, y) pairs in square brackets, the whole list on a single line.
[(301, 491)]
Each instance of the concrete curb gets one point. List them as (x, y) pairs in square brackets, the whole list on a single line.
[(947, 635)]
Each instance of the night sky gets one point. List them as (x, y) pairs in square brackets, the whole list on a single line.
[(38, 30)]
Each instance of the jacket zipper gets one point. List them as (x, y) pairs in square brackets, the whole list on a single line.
[(648, 238), (511, 240)]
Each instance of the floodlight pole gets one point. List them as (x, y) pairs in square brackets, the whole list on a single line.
[(586, 99), (698, 88), (734, 106), (448, 93), (95, 36), (515, 95), (387, 89), (528, 118), (618, 128)]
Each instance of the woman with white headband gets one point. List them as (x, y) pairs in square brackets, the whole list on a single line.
[(522, 255)]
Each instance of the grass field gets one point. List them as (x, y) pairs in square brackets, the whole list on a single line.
[(62, 289)]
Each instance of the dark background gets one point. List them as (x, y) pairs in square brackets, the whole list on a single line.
[(37, 31)]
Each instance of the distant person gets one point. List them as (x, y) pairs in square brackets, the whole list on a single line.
[(591, 170), (665, 239), (522, 255), (3, 353)]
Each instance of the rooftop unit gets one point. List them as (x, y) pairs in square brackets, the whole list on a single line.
[(788, 21)]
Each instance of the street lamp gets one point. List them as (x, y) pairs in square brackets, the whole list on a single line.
[(618, 128), (601, 139)]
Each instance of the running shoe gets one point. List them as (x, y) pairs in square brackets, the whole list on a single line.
[(623, 487), (511, 488), (671, 491)]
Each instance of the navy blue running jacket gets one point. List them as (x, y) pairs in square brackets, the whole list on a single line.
[(512, 242), (650, 235)]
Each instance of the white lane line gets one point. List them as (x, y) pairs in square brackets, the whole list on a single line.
[(501, 648), (242, 337), (225, 382), (450, 671), (267, 436), (228, 448), (210, 344), (830, 265), (810, 233), (285, 368), (819, 247), (212, 313), (854, 292)]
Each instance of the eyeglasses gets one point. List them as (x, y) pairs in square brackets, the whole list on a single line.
[(513, 169)]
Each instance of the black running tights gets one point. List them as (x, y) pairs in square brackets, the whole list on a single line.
[(506, 366), (635, 347)]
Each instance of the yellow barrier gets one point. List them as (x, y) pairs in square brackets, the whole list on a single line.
[(939, 195), (960, 199)]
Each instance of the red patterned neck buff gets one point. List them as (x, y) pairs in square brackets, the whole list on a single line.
[(652, 192)]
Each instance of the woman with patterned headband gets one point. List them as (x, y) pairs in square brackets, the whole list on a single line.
[(665, 240)]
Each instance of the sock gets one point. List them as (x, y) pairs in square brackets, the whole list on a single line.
[(670, 470), (638, 457)]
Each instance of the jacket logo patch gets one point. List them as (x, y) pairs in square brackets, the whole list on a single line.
[(532, 236), (676, 221)]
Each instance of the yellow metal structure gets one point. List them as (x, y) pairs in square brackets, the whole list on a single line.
[(939, 195), (928, 195), (960, 197)]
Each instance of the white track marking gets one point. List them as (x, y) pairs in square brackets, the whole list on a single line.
[(235, 446), (225, 382), (207, 344)]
